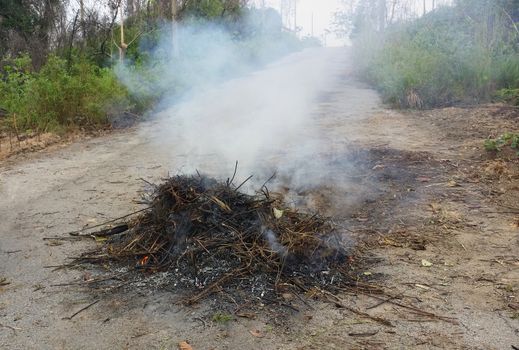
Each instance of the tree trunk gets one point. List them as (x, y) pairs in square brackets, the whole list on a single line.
[(382, 14), (82, 19), (295, 16), (174, 27), (392, 17), (130, 8), (122, 48)]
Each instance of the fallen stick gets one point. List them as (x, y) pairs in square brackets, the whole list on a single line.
[(111, 231), (77, 233), (81, 310), (339, 302), (382, 302), (14, 329), (273, 301), (91, 281), (303, 300), (416, 310), (57, 267), (201, 320), (365, 334), (60, 238), (12, 251)]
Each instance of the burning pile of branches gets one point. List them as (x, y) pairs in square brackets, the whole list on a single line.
[(208, 235)]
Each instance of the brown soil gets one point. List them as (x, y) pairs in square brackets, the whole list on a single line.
[(14, 148), (434, 216)]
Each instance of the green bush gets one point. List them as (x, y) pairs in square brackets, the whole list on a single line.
[(59, 97), (440, 59), (507, 139), (508, 96)]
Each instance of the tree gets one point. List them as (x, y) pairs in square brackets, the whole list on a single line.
[(30, 25), (174, 27)]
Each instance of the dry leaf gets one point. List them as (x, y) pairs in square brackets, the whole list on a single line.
[(87, 276), (256, 333), (426, 263), (423, 179), (453, 183), (184, 345), (221, 204), (277, 213), (288, 296)]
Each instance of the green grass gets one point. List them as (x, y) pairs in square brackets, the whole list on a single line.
[(59, 97), (222, 318)]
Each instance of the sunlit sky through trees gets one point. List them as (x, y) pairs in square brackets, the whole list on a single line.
[(316, 16), (313, 17)]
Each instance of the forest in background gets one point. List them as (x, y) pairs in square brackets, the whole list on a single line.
[(463, 52), (67, 66)]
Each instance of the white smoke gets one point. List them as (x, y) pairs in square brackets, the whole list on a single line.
[(263, 116), (274, 244), (255, 120)]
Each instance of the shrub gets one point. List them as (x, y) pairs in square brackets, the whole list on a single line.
[(59, 97), (440, 59), (508, 95), (507, 139)]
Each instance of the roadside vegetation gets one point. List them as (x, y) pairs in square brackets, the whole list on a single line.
[(58, 97), (64, 68), (464, 53), (506, 141)]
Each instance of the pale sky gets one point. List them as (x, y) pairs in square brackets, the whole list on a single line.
[(321, 11), (321, 14), (318, 14)]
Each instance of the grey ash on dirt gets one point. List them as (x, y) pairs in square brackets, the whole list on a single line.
[(202, 236)]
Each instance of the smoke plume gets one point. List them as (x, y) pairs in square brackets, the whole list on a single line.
[(238, 109)]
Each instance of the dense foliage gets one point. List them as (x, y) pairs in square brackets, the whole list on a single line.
[(510, 140), (57, 96), (465, 53)]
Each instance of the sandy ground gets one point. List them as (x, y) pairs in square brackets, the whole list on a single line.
[(414, 188)]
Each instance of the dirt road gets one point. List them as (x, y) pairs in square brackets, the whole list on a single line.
[(433, 217)]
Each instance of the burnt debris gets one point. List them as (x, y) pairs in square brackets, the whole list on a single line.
[(207, 236)]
